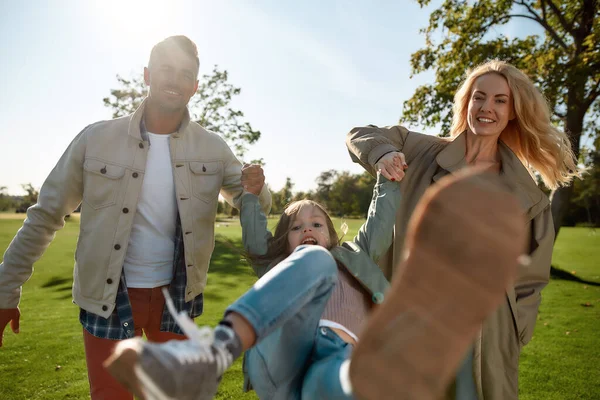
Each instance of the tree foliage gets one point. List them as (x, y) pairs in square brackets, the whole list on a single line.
[(281, 198), (29, 199), (6, 201), (343, 194), (585, 203), (211, 107)]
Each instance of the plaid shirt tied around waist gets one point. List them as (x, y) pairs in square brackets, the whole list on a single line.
[(119, 325)]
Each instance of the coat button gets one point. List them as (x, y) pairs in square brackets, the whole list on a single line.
[(135, 174), (104, 308), (125, 210), (141, 145), (117, 246), (109, 281), (378, 298)]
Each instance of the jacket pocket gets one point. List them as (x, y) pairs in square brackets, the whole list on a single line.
[(101, 183), (206, 180)]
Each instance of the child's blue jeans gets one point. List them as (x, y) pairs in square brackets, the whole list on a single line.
[(293, 357)]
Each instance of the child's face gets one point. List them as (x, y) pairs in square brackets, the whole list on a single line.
[(309, 226)]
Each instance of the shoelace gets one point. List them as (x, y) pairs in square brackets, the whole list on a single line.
[(202, 338)]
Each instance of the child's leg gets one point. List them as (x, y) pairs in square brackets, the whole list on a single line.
[(284, 308), (292, 289), (462, 247), (324, 378), (465, 383)]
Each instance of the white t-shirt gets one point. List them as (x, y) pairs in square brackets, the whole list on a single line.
[(149, 259)]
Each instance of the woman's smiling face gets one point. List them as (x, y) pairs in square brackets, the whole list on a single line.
[(490, 106)]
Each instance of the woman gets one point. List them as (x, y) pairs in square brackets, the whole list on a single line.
[(501, 122)]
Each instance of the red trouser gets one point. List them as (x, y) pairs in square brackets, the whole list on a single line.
[(147, 306)]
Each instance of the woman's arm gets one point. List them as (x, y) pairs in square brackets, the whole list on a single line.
[(368, 144), (532, 278)]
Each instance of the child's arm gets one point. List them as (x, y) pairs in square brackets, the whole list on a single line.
[(375, 235), (255, 234)]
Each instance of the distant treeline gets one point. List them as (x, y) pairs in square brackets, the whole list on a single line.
[(348, 195), (18, 204)]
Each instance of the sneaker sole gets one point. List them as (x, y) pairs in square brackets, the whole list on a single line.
[(464, 239)]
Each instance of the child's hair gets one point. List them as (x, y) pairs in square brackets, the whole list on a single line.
[(278, 245)]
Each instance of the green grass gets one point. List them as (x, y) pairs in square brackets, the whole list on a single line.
[(561, 362), (556, 365)]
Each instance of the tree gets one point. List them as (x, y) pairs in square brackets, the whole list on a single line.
[(310, 195), (564, 62), (585, 202), (281, 198), (350, 194), (324, 182), (343, 193), (29, 199), (210, 107), (6, 202)]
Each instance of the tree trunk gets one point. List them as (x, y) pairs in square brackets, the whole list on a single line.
[(560, 204), (573, 127)]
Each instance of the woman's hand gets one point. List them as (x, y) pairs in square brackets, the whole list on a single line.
[(392, 166)]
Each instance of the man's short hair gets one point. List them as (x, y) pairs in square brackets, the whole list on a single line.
[(179, 41)]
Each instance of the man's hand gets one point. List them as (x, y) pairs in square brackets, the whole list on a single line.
[(253, 178), (392, 166), (7, 315)]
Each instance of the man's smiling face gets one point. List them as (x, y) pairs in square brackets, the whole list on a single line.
[(172, 78)]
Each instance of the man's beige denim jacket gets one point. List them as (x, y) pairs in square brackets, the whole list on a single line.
[(103, 169)]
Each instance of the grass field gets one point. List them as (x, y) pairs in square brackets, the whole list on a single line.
[(46, 360)]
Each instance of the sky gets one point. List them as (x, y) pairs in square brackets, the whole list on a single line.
[(309, 72)]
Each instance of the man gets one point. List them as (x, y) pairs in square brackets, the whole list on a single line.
[(148, 185)]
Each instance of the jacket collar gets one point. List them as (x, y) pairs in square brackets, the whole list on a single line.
[(531, 197), (137, 128)]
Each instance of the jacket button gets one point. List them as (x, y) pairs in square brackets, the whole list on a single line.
[(104, 308), (117, 246), (109, 281), (135, 174), (141, 145), (125, 210)]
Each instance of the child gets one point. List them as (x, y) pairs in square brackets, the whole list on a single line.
[(296, 310), (300, 327)]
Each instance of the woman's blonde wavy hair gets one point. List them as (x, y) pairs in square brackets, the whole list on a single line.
[(531, 135)]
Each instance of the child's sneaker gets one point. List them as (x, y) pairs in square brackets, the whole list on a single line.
[(461, 252), (184, 370)]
